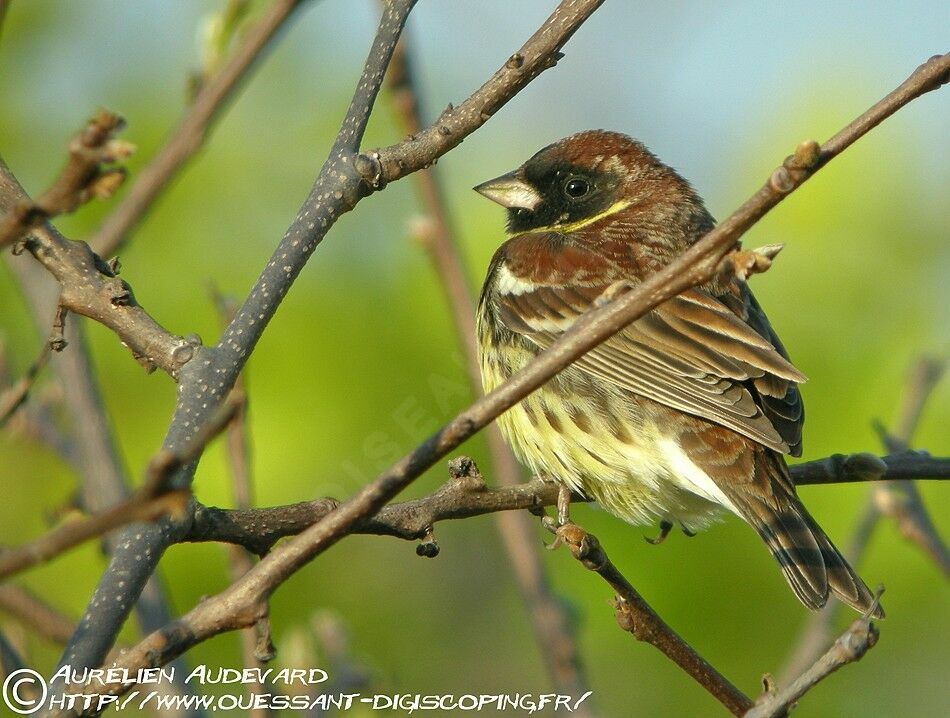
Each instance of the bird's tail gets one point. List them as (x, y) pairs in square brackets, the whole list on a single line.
[(811, 563)]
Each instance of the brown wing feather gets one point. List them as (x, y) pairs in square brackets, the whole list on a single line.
[(688, 354), (692, 353)]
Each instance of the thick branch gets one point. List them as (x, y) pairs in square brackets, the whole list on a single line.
[(90, 287)]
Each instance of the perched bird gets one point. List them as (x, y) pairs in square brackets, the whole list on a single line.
[(684, 413)]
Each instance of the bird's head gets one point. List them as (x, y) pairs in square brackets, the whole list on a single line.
[(583, 178)]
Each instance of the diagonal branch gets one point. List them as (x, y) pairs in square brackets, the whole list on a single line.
[(636, 616), (851, 646)]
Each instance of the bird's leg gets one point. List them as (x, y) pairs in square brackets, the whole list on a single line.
[(687, 532), (563, 505), (665, 528), (563, 515)]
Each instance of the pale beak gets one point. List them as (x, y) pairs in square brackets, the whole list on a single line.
[(510, 191)]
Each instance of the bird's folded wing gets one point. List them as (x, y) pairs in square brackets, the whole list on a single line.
[(691, 353)]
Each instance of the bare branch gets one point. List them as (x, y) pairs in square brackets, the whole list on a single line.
[(192, 131), (33, 612), (91, 287), (151, 501), (14, 396), (464, 496), (83, 178), (851, 646), (636, 616), (850, 468)]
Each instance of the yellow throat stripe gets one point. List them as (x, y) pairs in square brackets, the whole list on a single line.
[(572, 226)]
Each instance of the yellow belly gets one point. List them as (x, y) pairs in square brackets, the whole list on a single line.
[(598, 439)]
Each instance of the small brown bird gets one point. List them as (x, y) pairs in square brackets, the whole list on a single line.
[(684, 413)]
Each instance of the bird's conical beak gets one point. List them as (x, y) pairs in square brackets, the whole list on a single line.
[(510, 191)]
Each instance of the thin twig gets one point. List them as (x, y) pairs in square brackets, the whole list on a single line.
[(15, 396), (83, 178), (151, 501), (191, 132), (851, 646), (33, 612), (553, 628), (636, 616)]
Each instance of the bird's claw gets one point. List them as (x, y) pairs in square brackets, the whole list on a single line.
[(665, 528)]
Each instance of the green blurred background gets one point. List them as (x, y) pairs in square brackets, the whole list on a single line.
[(361, 363)]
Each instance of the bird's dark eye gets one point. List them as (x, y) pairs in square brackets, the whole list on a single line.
[(576, 187)]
